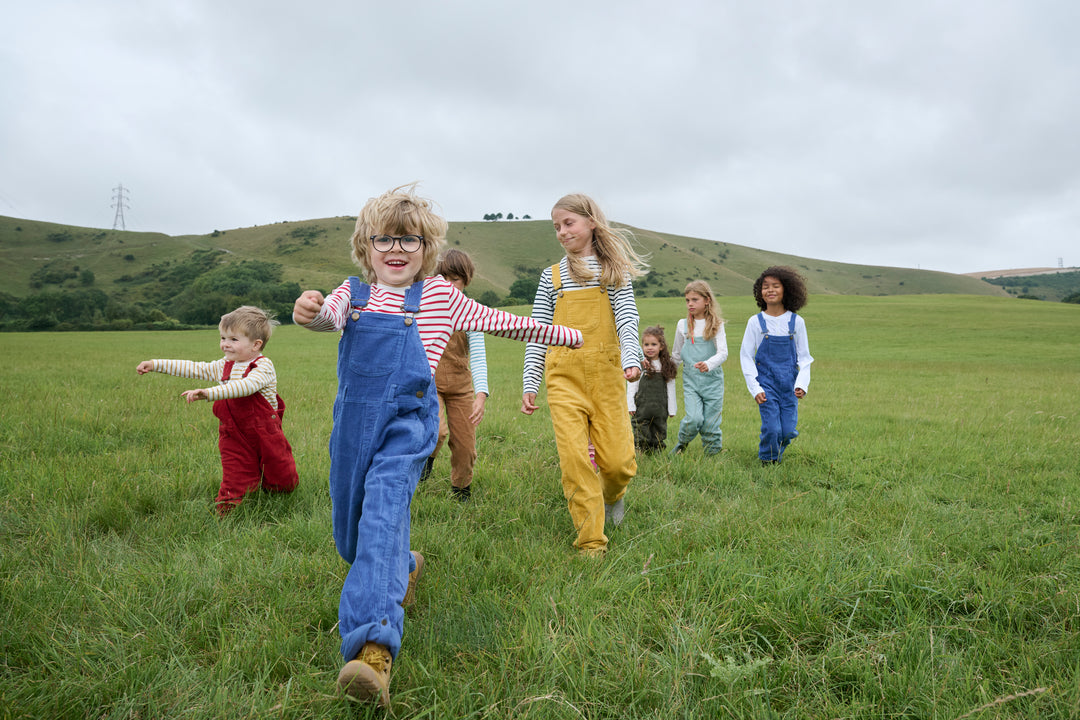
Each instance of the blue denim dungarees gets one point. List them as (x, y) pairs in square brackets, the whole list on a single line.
[(703, 396), (777, 367), (386, 420)]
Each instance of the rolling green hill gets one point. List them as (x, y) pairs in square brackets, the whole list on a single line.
[(315, 254)]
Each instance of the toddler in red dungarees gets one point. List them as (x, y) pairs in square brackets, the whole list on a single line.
[(253, 447)]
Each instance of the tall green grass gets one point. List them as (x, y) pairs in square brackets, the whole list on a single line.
[(916, 555)]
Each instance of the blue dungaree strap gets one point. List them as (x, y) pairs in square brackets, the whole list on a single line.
[(765, 329)]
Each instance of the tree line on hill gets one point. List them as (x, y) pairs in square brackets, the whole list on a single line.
[(1061, 286), (173, 295)]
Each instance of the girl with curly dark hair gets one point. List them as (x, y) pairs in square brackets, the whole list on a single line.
[(775, 358)]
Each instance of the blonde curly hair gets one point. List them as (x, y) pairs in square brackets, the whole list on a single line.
[(399, 212)]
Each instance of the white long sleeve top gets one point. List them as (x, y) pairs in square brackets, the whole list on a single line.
[(681, 336), (776, 326)]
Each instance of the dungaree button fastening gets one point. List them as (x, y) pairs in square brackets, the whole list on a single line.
[(419, 393)]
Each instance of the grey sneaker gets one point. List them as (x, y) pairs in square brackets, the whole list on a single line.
[(614, 512)]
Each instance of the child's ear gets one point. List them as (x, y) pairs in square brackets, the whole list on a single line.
[(257, 344)]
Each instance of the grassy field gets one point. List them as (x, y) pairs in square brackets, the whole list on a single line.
[(917, 555)]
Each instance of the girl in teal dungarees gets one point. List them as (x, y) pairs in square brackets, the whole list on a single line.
[(701, 347)]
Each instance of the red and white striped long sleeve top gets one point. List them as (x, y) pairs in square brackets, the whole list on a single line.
[(443, 309), (262, 379)]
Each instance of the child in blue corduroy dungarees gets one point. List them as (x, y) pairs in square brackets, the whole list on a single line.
[(775, 358), (386, 414)]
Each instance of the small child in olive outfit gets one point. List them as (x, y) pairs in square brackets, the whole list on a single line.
[(651, 398)]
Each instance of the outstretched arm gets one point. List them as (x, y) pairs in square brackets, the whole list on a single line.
[(307, 307)]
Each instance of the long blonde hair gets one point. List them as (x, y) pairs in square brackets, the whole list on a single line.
[(619, 263), (397, 212), (713, 319)]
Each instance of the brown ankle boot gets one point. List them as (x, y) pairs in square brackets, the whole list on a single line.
[(367, 677), (410, 591)]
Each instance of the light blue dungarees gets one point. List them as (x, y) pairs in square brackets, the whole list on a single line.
[(777, 367), (703, 396), (386, 421)]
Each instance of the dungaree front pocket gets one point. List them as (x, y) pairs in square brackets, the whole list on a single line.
[(384, 357)]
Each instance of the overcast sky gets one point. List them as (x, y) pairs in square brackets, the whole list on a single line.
[(919, 134)]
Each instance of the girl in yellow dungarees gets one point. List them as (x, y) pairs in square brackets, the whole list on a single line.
[(589, 290)]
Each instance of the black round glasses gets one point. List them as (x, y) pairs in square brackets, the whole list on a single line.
[(407, 243)]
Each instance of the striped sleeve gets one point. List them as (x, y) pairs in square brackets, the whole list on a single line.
[(467, 314), (624, 305), (543, 311), (261, 379), (335, 307), (478, 363), (191, 369), (443, 309)]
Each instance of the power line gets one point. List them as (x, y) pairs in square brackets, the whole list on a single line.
[(119, 202)]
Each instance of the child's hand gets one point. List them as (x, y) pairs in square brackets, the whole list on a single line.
[(760, 398), (307, 307), (144, 367), (528, 403), (632, 373), (800, 393), (477, 413), (193, 395), (633, 413), (702, 366)]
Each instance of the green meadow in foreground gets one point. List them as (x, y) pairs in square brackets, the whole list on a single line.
[(917, 555)]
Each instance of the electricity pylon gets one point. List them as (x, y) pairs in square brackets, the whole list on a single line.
[(119, 202)]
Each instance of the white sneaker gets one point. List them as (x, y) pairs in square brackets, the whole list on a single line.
[(614, 512)]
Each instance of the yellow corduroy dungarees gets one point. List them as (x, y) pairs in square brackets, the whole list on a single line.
[(586, 393)]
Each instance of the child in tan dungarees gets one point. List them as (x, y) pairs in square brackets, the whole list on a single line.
[(461, 379), (590, 290)]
